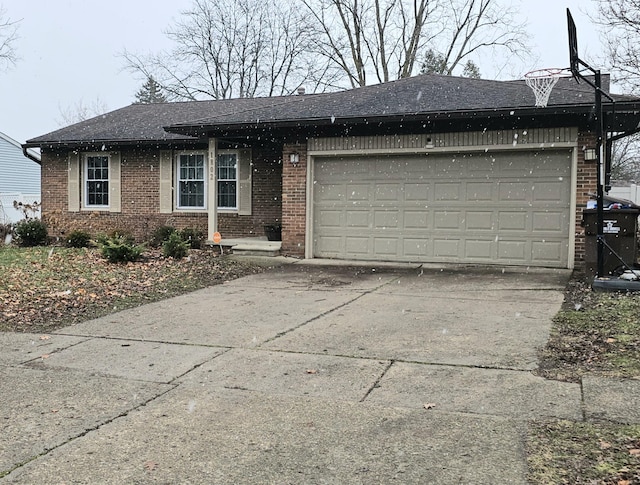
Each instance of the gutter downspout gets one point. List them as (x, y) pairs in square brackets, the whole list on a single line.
[(25, 152)]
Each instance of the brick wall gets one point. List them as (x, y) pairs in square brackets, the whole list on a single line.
[(585, 184), (294, 204), (140, 185)]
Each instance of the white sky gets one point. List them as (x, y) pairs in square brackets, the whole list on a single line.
[(69, 52)]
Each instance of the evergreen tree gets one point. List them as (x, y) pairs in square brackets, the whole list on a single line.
[(435, 63), (151, 92)]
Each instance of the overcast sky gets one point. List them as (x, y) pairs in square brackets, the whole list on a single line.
[(69, 50)]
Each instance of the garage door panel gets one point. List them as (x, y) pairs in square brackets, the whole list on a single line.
[(358, 192), (479, 191), (416, 219), (416, 192), (550, 191), (447, 220), (385, 219), (386, 246), (553, 222), (446, 248), (332, 193), (479, 249), (358, 219), (514, 191), (415, 248), (512, 250), (502, 208), (479, 220), (329, 219), (387, 192), (547, 251), (447, 191), (331, 246), (512, 221), (357, 245)]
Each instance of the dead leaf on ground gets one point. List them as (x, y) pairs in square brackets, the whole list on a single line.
[(604, 445), (45, 337), (624, 482), (635, 452), (45, 356)]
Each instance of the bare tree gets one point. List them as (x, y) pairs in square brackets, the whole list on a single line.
[(625, 159), (620, 20), (81, 111), (232, 48), (8, 37), (386, 39)]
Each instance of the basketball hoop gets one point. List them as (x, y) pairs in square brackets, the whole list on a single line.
[(542, 81)]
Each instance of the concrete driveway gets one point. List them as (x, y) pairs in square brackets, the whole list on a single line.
[(303, 374)]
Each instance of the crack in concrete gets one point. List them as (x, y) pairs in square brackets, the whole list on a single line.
[(377, 381), (126, 412)]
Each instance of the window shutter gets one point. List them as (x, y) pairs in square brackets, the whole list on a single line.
[(73, 182), (166, 199), (244, 182), (115, 195)]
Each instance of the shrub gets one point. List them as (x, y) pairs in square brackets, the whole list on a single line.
[(175, 247), (160, 235), (77, 239), (31, 232), (193, 237), (120, 249)]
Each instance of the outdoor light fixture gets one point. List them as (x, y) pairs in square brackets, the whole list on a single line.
[(294, 158), (590, 154)]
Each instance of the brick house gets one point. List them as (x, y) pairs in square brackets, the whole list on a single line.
[(424, 169)]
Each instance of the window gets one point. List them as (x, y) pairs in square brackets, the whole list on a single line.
[(227, 180), (96, 181), (191, 181)]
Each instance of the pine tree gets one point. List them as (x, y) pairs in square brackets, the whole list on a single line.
[(151, 92)]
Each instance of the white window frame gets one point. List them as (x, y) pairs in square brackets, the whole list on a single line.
[(178, 180), (86, 180), (235, 208)]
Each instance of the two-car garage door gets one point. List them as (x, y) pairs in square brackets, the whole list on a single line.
[(510, 207)]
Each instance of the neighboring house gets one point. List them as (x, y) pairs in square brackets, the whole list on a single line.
[(426, 169), (19, 178)]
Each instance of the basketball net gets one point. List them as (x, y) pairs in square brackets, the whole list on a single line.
[(542, 82)]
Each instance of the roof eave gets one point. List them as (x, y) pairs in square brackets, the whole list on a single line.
[(200, 129), (53, 144)]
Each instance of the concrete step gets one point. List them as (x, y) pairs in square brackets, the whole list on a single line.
[(251, 246)]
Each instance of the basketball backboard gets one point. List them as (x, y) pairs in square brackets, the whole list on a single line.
[(574, 60)]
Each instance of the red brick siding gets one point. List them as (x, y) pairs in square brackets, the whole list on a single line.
[(294, 200), (140, 197), (586, 180)]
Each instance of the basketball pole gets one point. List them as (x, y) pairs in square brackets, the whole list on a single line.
[(575, 63)]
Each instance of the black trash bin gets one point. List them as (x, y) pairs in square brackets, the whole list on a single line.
[(620, 230)]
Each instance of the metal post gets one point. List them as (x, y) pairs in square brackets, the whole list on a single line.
[(599, 178)]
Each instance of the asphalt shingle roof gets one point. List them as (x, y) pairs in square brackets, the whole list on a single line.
[(426, 95)]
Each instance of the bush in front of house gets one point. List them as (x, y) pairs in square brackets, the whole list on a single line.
[(120, 248), (160, 235), (31, 232), (193, 237), (77, 239), (175, 247)]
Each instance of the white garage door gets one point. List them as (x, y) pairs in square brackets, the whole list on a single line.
[(501, 208)]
